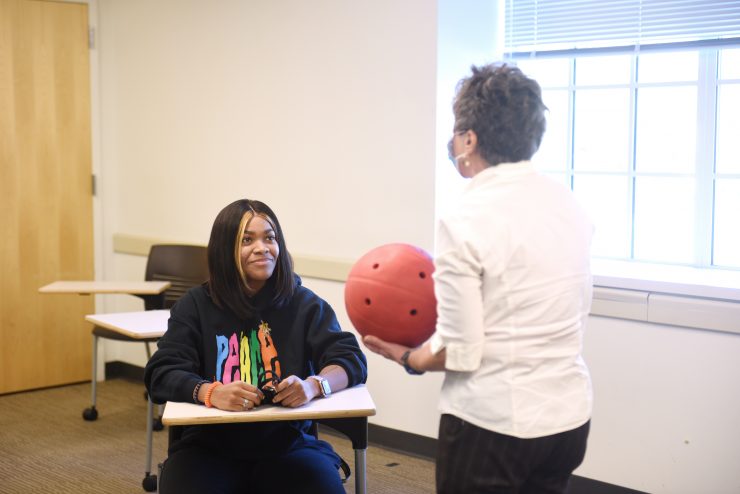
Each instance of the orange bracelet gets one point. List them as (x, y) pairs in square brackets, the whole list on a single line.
[(209, 391)]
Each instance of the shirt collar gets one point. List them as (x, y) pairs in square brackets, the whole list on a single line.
[(502, 172)]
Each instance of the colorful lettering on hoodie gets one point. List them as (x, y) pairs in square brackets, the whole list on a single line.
[(249, 356)]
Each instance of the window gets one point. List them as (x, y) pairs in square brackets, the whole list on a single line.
[(643, 126)]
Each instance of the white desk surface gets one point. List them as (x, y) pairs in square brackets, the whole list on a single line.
[(88, 287), (139, 325), (347, 403)]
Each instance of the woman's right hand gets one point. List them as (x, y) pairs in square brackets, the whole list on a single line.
[(237, 396)]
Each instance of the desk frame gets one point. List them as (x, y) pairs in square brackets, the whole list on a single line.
[(146, 327), (355, 428), (350, 420)]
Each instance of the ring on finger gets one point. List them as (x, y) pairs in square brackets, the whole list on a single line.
[(245, 403)]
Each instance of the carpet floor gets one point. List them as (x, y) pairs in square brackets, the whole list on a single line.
[(46, 446)]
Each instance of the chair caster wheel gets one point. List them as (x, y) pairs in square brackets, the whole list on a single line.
[(157, 424), (149, 483), (90, 414)]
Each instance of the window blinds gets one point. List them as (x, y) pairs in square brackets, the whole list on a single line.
[(546, 25)]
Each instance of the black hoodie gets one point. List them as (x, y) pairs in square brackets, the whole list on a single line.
[(204, 341)]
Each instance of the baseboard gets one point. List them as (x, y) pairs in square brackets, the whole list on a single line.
[(426, 447), (404, 442), (385, 437), (582, 485), (123, 370)]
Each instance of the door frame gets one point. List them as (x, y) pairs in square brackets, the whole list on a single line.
[(101, 257)]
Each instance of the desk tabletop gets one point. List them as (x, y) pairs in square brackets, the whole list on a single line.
[(351, 402), (139, 325), (88, 287)]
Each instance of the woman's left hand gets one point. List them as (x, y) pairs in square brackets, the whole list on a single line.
[(391, 351), (293, 392)]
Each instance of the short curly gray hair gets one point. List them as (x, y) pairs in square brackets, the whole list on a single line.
[(505, 110)]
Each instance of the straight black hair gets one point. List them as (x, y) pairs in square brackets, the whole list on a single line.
[(228, 287)]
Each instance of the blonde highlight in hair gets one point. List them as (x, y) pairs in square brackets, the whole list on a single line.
[(243, 225)]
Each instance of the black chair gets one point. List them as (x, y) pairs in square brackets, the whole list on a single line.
[(184, 266)]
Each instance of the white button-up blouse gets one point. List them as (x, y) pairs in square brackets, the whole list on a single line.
[(513, 287)]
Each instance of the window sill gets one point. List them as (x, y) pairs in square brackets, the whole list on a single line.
[(678, 296), (674, 280)]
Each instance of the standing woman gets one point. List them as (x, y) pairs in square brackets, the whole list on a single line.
[(251, 328), (513, 286)]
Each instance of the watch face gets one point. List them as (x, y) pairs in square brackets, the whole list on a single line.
[(325, 387)]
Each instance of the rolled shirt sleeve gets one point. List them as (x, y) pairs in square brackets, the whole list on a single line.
[(457, 286)]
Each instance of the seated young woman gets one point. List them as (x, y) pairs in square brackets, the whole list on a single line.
[(251, 334)]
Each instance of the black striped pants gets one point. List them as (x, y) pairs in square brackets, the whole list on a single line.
[(472, 460)]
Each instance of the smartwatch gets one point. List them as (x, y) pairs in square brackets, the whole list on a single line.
[(405, 362), (323, 386)]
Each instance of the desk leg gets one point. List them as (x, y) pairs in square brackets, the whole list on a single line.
[(94, 370), (91, 413), (360, 471), (149, 424), (150, 481)]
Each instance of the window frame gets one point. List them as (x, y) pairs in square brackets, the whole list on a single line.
[(704, 173)]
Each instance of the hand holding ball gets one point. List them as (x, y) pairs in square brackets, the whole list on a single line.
[(390, 294)]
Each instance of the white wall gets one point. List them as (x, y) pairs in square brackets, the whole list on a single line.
[(666, 407), (326, 110)]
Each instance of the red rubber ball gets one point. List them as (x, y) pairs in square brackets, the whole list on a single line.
[(390, 294)]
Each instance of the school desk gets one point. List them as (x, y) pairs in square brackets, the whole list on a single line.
[(345, 411), (141, 325)]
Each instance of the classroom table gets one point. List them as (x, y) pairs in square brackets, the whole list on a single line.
[(138, 325), (144, 326), (132, 326), (139, 288), (151, 291), (346, 411), (141, 325)]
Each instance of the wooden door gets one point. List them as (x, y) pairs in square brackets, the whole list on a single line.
[(45, 193)]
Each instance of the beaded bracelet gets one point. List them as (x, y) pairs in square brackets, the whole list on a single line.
[(196, 390), (209, 391)]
